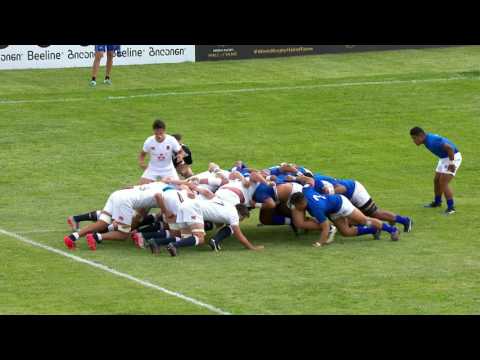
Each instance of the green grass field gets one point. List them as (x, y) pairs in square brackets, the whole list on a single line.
[(65, 147)]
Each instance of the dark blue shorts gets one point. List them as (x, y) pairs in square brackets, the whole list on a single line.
[(103, 48)]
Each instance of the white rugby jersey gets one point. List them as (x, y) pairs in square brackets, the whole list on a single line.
[(143, 196), (173, 199), (161, 153), (224, 193), (218, 212)]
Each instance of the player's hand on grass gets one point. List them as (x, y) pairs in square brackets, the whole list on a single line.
[(143, 166), (257, 247), (319, 244)]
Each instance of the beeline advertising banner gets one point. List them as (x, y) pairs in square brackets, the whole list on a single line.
[(63, 56), (231, 52)]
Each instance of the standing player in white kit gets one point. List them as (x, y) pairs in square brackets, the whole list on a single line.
[(160, 147)]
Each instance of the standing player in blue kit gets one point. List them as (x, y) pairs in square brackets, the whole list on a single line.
[(448, 164), (99, 51)]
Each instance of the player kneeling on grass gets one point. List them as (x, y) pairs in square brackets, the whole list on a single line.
[(117, 215), (191, 216), (341, 212)]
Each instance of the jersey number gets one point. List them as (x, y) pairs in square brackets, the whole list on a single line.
[(318, 197)]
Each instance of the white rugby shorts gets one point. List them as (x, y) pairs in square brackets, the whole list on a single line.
[(360, 195), (155, 174), (346, 209), (442, 166)]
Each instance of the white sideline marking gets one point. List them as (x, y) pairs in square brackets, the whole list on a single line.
[(33, 101), (115, 272), (233, 91), (36, 231), (300, 87)]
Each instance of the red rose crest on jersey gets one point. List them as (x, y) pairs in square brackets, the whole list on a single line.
[(152, 148), (193, 217), (168, 147), (120, 218)]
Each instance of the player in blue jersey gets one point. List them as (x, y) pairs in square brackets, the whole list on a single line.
[(357, 194), (341, 212), (281, 174), (273, 200), (450, 160), (99, 51), (241, 168)]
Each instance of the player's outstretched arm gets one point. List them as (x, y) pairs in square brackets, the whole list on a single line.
[(171, 181), (298, 218), (161, 205), (240, 237), (255, 176), (141, 160), (205, 192), (340, 189), (302, 179)]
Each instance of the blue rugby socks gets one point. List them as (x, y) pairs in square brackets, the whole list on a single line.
[(450, 204), (401, 220), (281, 220), (388, 228), (364, 230), (189, 241)]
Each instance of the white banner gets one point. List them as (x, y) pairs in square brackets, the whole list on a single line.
[(63, 56)]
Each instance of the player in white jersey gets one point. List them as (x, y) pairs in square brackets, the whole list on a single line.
[(238, 190), (192, 214), (160, 147), (169, 201), (205, 182), (117, 214)]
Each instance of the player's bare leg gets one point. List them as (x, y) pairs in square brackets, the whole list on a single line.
[(99, 226), (436, 184), (96, 66), (108, 70), (120, 232), (447, 191), (115, 235), (366, 224), (392, 218), (437, 188), (343, 225)]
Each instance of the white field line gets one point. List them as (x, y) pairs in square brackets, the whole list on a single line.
[(114, 272), (37, 231), (280, 88), (234, 91)]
